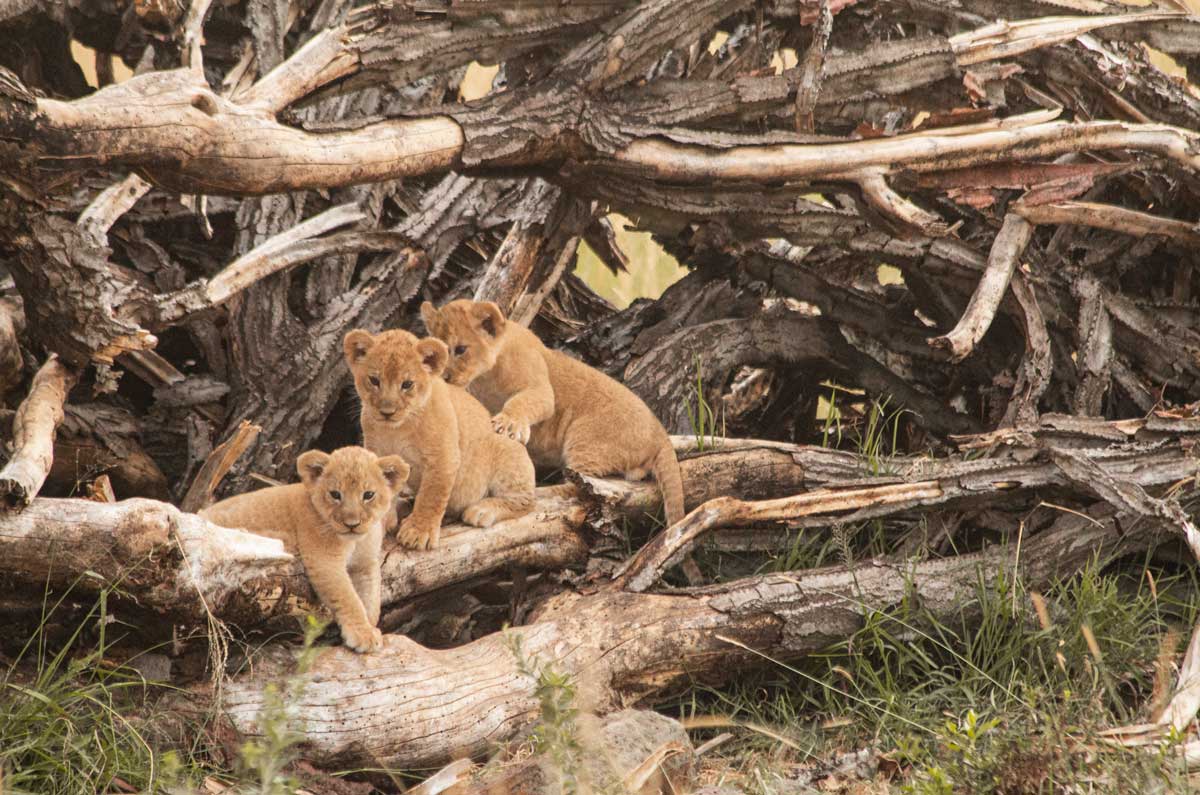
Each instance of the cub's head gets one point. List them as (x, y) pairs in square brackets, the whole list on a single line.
[(393, 371), (351, 488), (471, 331)]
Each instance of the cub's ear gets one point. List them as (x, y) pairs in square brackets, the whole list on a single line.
[(430, 316), (355, 344), (395, 471), (491, 319), (310, 465), (433, 355)]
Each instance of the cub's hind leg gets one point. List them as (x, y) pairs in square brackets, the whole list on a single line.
[(510, 488), (590, 448)]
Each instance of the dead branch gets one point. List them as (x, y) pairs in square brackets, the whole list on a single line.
[(204, 486), (33, 435), (1002, 261), (1107, 216)]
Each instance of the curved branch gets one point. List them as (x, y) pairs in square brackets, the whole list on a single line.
[(1006, 250)]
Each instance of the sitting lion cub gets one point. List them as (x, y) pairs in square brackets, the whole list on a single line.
[(458, 465), (569, 413), (333, 519)]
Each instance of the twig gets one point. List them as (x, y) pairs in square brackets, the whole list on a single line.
[(1007, 248)]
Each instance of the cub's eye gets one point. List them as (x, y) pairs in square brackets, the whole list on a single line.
[(407, 385), (368, 496), (374, 379), (459, 350), (335, 495)]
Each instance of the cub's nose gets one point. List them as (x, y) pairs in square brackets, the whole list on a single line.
[(387, 412), (352, 523)]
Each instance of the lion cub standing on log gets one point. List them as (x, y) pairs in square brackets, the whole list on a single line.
[(458, 465), (333, 519), (569, 413)]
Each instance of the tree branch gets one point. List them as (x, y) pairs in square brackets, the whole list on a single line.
[(1006, 251), (34, 426)]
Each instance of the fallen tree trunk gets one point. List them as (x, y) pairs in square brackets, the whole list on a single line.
[(408, 706), (183, 568)]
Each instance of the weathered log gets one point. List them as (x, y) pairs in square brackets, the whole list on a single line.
[(177, 565), (33, 435), (411, 706)]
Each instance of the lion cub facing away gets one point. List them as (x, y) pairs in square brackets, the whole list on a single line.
[(333, 519), (459, 466), (569, 413)]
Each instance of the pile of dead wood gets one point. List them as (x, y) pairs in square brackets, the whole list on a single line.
[(183, 251)]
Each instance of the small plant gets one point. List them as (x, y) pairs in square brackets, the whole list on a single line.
[(832, 424), (879, 435), (62, 716), (264, 760), (556, 734), (701, 416)]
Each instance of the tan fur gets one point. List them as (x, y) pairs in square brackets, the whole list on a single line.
[(459, 467), (332, 519), (569, 413)]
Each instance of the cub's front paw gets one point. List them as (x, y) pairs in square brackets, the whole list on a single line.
[(479, 515), (417, 535), (511, 427), (362, 639)]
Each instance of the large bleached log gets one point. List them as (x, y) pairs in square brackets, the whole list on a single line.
[(409, 706), (170, 561), (178, 565)]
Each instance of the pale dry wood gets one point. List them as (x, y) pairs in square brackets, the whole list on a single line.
[(34, 426), (1007, 39), (204, 485), (643, 570), (410, 706), (891, 204), (174, 562), (323, 59), (281, 251), (530, 303), (1003, 260), (511, 267), (1111, 217), (247, 580), (111, 203), (919, 152), (217, 146)]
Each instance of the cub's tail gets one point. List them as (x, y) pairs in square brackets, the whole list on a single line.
[(670, 482)]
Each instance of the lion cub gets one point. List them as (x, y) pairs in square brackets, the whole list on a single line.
[(569, 413), (459, 467), (333, 519)]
